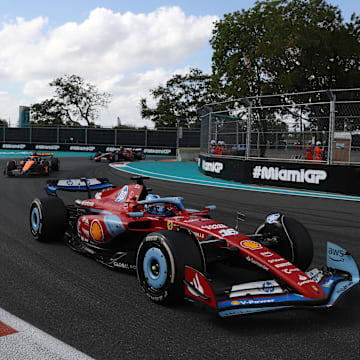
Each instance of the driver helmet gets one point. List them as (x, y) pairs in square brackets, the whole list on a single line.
[(318, 143), (213, 142), (154, 208)]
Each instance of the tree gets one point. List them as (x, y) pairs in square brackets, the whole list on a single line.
[(75, 102), (283, 46), (3, 122), (178, 102)]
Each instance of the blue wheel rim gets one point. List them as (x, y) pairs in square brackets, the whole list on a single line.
[(155, 268), (35, 219)]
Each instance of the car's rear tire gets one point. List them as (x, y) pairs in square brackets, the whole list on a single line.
[(294, 242), (160, 264), (48, 219), (114, 157), (10, 166), (45, 168), (55, 164)]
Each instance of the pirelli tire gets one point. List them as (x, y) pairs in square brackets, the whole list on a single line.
[(55, 164), (45, 168), (293, 241), (160, 264), (10, 166), (48, 219), (114, 157)]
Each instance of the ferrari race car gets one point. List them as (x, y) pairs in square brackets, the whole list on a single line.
[(120, 155), (179, 252), (35, 164)]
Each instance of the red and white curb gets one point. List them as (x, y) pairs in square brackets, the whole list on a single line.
[(20, 340)]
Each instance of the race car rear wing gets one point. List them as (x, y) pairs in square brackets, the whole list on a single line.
[(82, 184), (340, 274)]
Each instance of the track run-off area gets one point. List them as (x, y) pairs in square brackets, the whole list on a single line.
[(81, 309)]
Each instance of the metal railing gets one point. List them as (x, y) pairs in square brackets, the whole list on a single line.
[(286, 127)]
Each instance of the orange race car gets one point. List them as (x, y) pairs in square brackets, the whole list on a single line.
[(35, 164)]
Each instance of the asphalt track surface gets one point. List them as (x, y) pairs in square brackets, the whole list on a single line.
[(105, 314)]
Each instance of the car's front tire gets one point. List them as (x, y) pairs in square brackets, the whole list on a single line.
[(55, 164), (294, 242), (48, 219), (160, 264)]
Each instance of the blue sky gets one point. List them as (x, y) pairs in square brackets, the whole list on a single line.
[(127, 64)]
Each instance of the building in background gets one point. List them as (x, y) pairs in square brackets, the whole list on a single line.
[(24, 116)]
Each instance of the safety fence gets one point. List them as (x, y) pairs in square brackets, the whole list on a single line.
[(321, 127)]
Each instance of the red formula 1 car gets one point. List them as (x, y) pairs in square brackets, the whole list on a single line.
[(35, 164), (178, 252), (120, 155)]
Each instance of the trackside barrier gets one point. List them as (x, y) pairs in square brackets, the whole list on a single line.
[(162, 151), (317, 177)]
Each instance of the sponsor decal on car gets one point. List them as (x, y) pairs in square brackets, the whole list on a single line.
[(336, 254), (249, 244), (308, 176), (98, 195), (272, 218), (122, 194), (228, 232), (96, 230), (327, 283), (213, 226), (87, 203), (267, 254), (283, 264), (289, 271), (255, 262), (255, 301), (268, 287), (197, 285)]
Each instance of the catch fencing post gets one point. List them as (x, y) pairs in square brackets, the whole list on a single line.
[(209, 134), (248, 129), (332, 98)]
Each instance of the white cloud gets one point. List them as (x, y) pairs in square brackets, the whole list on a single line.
[(124, 54)]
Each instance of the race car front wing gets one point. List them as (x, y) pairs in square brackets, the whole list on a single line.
[(340, 274)]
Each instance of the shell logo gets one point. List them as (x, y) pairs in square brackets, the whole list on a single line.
[(235, 302), (252, 245), (96, 231)]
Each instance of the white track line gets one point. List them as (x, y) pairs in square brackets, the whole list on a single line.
[(32, 343)]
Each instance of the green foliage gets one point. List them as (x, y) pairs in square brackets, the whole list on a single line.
[(283, 46), (3, 122), (178, 102), (75, 103)]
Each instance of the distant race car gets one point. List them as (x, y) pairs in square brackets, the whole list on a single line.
[(35, 164), (178, 252), (120, 155)]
